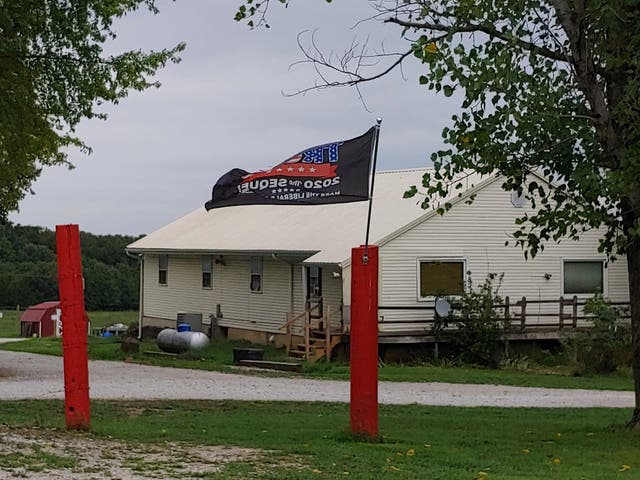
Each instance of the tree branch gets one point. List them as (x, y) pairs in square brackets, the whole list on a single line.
[(489, 30), (356, 77), (355, 53)]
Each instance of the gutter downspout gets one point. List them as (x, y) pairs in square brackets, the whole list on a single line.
[(140, 258)]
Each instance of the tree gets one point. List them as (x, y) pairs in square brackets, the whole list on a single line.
[(28, 273), (54, 73), (546, 85)]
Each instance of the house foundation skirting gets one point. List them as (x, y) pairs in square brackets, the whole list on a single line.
[(261, 338), (278, 339)]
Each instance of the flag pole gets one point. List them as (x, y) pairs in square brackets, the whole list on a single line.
[(365, 256)]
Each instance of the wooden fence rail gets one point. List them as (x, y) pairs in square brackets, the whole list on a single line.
[(522, 316)]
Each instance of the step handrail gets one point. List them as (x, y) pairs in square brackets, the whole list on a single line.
[(325, 320), (291, 320)]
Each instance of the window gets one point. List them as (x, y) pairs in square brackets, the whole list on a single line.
[(314, 290), (255, 282), (163, 266), (441, 277), (207, 271), (583, 277)]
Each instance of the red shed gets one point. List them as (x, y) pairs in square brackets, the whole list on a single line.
[(37, 320)]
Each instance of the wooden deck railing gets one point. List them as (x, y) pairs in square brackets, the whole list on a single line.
[(568, 314), (521, 316)]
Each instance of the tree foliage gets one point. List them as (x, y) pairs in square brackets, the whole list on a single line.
[(53, 73), (479, 326), (28, 269), (607, 345), (546, 86)]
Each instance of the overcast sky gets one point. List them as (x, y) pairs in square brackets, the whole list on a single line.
[(160, 152)]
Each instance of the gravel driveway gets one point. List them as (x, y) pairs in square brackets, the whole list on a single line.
[(26, 375)]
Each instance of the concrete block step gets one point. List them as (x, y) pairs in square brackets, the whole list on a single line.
[(282, 366)]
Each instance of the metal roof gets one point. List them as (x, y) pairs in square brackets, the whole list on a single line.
[(323, 233), (36, 313)]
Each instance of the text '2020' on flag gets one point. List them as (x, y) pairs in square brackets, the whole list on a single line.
[(332, 173)]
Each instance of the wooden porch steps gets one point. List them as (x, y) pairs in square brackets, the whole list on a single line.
[(319, 340)]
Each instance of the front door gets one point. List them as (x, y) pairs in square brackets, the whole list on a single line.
[(314, 290)]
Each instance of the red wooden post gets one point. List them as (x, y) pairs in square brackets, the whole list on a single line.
[(74, 328), (364, 342)]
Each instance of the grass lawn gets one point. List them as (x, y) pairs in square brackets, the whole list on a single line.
[(559, 377), (308, 440), (219, 357), (9, 323)]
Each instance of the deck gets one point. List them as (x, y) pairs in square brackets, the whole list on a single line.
[(527, 320)]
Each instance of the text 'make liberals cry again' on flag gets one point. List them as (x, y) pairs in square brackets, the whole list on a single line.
[(332, 173)]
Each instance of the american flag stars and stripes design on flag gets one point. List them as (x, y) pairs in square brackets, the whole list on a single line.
[(332, 173)]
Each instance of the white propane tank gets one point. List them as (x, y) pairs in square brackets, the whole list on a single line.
[(171, 341)]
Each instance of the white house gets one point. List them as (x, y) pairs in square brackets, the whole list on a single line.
[(256, 264)]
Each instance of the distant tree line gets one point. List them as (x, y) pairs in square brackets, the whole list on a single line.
[(28, 268)]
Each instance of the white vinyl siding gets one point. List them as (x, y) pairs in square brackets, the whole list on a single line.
[(240, 307), (332, 293), (184, 291), (477, 233)]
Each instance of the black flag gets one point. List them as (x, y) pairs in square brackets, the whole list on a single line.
[(332, 173)]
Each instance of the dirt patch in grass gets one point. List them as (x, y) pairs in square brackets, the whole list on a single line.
[(45, 454)]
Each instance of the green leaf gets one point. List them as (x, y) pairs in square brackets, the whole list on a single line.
[(411, 192), (57, 71)]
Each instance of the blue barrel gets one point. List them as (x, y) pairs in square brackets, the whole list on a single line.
[(184, 327)]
